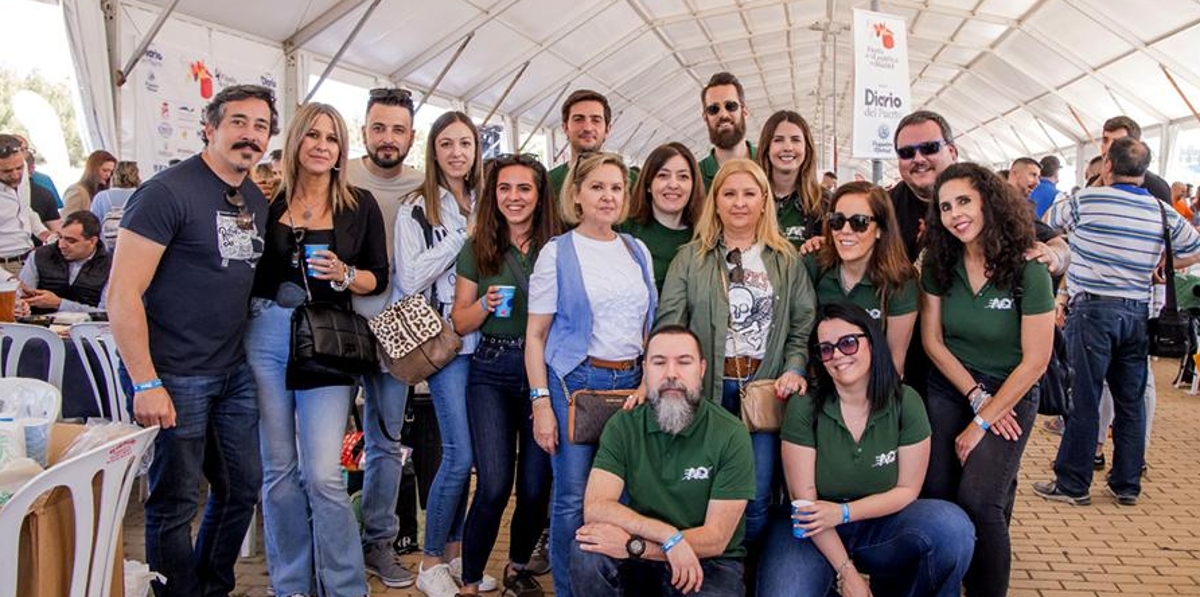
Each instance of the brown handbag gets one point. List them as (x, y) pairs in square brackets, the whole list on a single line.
[(589, 410), (414, 341), (762, 411)]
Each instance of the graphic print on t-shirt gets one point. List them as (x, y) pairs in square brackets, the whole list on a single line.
[(236, 244), (750, 307)]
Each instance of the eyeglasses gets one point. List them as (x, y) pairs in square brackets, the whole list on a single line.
[(847, 345), (392, 94), (909, 152), (737, 275), (730, 106), (245, 217), (858, 222), (297, 242)]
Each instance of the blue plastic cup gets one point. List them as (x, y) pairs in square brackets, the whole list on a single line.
[(504, 309), (797, 508), (309, 251)]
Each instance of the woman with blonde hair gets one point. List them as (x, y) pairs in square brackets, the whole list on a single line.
[(322, 228), (742, 289)]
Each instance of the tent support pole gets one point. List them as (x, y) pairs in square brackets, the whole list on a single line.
[(445, 69), (1183, 96), (507, 90), (545, 115), (123, 74), (342, 50)]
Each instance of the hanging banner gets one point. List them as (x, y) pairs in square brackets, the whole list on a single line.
[(881, 83)]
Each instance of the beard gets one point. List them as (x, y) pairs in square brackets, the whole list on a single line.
[(386, 164), (730, 138), (674, 406)]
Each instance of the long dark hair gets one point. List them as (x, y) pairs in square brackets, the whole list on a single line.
[(91, 172), (641, 209), (491, 236), (807, 186), (1007, 229), (883, 383)]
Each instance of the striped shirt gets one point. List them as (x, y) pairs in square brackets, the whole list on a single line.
[(1116, 239)]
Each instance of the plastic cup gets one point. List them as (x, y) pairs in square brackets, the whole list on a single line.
[(798, 508), (8, 300), (309, 251), (504, 309)]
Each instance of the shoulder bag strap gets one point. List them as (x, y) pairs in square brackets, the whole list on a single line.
[(517, 271), (1170, 273)]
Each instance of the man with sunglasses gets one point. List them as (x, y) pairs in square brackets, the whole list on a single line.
[(178, 299), (723, 105), (586, 120), (387, 134), (19, 223)]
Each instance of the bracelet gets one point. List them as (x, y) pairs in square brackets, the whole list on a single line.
[(984, 425), (147, 385), (840, 569), (845, 513), (672, 542), (537, 393), (346, 281)]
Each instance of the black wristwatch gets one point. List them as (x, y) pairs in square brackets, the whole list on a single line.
[(635, 547)]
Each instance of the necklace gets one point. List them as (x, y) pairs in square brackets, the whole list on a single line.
[(307, 213)]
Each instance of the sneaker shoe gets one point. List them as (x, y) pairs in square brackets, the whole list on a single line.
[(487, 585), (1098, 462), (1049, 490), (380, 560), (436, 581), (521, 583), (1124, 499), (539, 561), (1055, 425)]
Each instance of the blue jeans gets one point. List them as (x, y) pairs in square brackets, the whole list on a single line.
[(597, 575), (1106, 341), (500, 422), (307, 521), (920, 551), (766, 464), (446, 506), (216, 429), (384, 399), (572, 463)]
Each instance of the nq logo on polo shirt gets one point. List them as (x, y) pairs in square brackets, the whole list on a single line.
[(1000, 304), (885, 459), (696, 473)]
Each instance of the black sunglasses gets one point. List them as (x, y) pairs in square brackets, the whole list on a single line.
[(245, 217), (297, 243), (730, 106), (858, 222), (909, 152), (737, 275), (524, 159), (847, 345), (392, 94), (8, 150)]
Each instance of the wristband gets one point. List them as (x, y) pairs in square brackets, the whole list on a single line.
[(147, 385), (535, 393), (845, 513), (984, 425), (672, 542)]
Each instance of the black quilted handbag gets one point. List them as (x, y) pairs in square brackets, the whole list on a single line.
[(329, 339)]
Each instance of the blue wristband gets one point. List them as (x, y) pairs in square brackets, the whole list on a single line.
[(984, 425), (147, 385), (672, 542), (845, 513)]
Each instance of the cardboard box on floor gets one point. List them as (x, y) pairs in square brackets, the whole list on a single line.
[(46, 554)]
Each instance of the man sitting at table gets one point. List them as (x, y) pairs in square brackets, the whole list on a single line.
[(72, 274)]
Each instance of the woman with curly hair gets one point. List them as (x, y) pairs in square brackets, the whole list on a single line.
[(987, 322), (789, 158)]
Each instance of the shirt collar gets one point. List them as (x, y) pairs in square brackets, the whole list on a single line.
[(1128, 188)]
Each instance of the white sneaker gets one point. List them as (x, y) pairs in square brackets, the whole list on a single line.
[(487, 585), (436, 581)]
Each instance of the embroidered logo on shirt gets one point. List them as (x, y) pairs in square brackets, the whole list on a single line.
[(1000, 304), (882, 460), (696, 473)]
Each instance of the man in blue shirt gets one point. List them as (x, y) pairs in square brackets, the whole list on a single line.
[(1046, 191)]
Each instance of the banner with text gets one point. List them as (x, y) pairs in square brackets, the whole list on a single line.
[(881, 83)]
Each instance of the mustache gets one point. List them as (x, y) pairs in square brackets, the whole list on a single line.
[(247, 143)]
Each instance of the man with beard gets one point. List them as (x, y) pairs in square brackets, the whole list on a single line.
[(179, 298), (1024, 175), (723, 104), (687, 468), (586, 118), (388, 135)]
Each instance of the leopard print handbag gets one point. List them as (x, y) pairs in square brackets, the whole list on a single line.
[(414, 341)]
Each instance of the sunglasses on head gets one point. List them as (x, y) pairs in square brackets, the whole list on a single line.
[(737, 275), (245, 217), (847, 345), (297, 242), (927, 148), (8, 150), (524, 159), (858, 222), (730, 106), (394, 94)]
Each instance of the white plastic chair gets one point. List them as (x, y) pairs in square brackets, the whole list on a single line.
[(98, 518), (97, 337), (21, 334)]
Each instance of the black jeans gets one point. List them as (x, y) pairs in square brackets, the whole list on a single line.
[(986, 486), (498, 411), (597, 575)]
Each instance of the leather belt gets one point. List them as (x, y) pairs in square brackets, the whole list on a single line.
[(741, 367), (15, 258), (613, 365)]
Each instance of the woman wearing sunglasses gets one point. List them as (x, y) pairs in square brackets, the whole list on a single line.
[(516, 218), (742, 289), (431, 229), (322, 228), (862, 261), (856, 450), (789, 158), (667, 199), (591, 300), (987, 322)]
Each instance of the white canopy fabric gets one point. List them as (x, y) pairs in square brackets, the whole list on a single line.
[(1014, 77)]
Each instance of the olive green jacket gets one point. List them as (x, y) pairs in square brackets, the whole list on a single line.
[(694, 296)]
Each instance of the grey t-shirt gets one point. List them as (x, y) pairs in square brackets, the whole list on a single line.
[(387, 192)]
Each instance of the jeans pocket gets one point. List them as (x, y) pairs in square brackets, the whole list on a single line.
[(258, 305)]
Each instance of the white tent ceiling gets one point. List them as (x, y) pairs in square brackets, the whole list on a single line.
[(1014, 77)]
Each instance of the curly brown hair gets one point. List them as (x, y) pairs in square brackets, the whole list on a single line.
[(1007, 229)]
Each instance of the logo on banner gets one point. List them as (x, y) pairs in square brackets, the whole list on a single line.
[(153, 57), (151, 82), (885, 132), (885, 35), (267, 81), (165, 130), (200, 74)]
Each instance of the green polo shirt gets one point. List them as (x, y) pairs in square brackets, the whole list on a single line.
[(829, 290), (849, 470), (663, 242), (709, 165), (513, 326), (558, 176), (984, 330), (672, 478)]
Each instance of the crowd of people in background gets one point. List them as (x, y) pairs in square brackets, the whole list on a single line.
[(904, 330)]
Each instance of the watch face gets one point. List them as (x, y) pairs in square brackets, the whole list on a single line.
[(636, 547)]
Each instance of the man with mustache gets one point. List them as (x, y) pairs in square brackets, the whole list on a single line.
[(586, 120), (388, 135), (178, 298), (688, 470), (723, 105), (1024, 175)]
